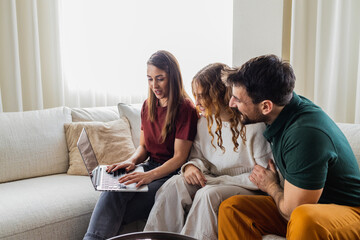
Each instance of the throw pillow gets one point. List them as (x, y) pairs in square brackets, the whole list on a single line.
[(111, 142), (133, 114)]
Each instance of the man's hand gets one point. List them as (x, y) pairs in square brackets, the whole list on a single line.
[(194, 176), (265, 178), (286, 199)]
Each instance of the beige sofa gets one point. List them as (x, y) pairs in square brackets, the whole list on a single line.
[(39, 200)]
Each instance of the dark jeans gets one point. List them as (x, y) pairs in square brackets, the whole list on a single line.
[(115, 209)]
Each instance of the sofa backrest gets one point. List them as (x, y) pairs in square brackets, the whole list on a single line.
[(33, 143), (98, 114), (352, 133)]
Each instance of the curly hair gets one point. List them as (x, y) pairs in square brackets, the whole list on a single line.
[(215, 97)]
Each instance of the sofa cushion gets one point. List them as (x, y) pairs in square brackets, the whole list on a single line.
[(100, 114), (51, 207), (111, 142), (132, 113), (272, 237), (32, 143), (352, 133)]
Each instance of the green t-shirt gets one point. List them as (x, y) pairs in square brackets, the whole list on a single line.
[(311, 152)]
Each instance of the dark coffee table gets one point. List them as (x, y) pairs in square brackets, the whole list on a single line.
[(152, 236)]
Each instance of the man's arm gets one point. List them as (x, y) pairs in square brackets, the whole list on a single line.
[(290, 197), (286, 199)]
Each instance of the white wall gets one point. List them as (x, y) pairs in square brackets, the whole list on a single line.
[(257, 29)]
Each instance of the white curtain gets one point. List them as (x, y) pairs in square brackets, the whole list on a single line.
[(85, 53), (106, 43), (325, 54), (30, 69)]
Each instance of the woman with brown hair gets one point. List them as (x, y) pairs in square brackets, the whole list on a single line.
[(188, 203), (168, 128)]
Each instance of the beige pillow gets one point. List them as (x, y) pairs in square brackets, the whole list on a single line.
[(111, 142)]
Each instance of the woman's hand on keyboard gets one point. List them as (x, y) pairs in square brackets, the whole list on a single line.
[(127, 165), (140, 178)]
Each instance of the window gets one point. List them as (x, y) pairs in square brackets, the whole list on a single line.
[(106, 43)]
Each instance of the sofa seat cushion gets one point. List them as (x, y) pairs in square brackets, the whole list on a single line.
[(273, 237), (46, 207)]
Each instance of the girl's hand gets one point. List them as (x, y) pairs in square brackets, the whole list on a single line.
[(127, 165), (140, 178), (194, 176)]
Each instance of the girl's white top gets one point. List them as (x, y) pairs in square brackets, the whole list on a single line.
[(229, 167)]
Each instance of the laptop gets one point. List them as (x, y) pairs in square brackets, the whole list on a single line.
[(102, 180)]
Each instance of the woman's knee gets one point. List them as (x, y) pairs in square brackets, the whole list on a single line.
[(171, 186), (175, 182), (207, 196)]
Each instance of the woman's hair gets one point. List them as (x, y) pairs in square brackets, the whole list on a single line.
[(215, 97), (168, 63)]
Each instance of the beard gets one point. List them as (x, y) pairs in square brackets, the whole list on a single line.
[(258, 117)]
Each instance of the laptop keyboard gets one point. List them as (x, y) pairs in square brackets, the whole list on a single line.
[(111, 180), (119, 172)]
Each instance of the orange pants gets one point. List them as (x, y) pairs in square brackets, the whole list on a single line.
[(250, 217)]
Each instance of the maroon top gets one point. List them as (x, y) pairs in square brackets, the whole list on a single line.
[(185, 129)]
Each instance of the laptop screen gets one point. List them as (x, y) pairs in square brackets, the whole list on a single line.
[(87, 152)]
